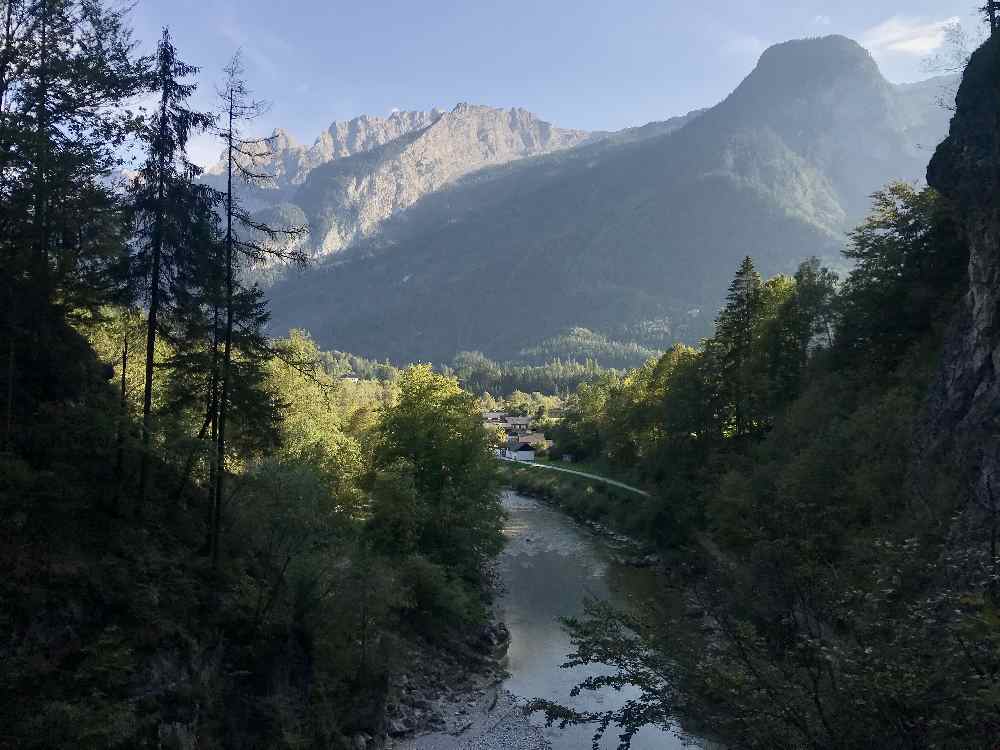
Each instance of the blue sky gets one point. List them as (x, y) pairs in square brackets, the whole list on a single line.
[(580, 63)]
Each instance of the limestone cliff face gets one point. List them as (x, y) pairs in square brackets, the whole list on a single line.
[(360, 172), (347, 198), (290, 162), (965, 404)]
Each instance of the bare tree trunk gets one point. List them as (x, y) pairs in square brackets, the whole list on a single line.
[(122, 422), (227, 349), (41, 176), (8, 435)]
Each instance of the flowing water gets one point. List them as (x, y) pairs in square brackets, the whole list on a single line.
[(549, 567)]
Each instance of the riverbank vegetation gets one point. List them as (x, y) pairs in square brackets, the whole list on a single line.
[(583, 498), (209, 537), (809, 525)]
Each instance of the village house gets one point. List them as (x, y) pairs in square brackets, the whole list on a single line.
[(521, 452), (534, 439), (518, 424), (493, 420)]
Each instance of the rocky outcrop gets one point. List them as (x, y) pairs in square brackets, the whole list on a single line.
[(360, 172), (290, 162), (347, 198), (965, 404)]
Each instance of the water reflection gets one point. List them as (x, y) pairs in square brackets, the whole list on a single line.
[(550, 566)]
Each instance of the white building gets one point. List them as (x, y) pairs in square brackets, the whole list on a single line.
[(522, 452)]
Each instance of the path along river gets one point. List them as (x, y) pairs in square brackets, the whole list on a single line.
[(549, 567)]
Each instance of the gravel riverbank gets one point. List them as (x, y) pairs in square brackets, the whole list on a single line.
[(496, 721)]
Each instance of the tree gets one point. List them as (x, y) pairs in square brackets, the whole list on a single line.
[(245, 238), (433, 440), (162, 204), (65, 69), (732, 349), (910, 260), (990, 12)]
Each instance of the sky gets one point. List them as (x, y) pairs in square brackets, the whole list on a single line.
[(576, 63)]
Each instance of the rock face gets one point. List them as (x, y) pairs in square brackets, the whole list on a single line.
[(291, 162), (965, 406), (349, 197), (361, 172)]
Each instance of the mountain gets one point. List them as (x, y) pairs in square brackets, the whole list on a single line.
[(633, 236), (359, 173), (290, 162)]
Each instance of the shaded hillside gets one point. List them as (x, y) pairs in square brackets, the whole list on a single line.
[(628, 236)]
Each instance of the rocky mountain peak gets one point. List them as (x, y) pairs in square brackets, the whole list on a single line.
[(281, 140), (810, 78), (814, 61), (365, 175)]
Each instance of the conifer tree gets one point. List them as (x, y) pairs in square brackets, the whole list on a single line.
[(163, 203), (65, 70), (246, 242), (733, 345), (991, 11)]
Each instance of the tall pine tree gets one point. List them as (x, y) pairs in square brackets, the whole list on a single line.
[(65, 70), (163, 202), (733, 348)]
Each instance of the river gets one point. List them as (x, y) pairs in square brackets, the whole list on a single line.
[(549, 567)]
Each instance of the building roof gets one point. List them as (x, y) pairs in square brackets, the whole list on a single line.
[(524, 448)]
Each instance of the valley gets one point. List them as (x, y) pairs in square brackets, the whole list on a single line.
[(630, 234), (458, 429)]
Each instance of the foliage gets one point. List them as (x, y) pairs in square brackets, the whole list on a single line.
[(480, 374), (196, 547), (439, 456), (581, 344), (821, 569)]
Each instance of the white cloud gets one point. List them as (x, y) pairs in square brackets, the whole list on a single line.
[(906, 36), (822, 20)]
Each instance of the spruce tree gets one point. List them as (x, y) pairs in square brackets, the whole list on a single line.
[(162, 204), (734, 342), (65, 70)]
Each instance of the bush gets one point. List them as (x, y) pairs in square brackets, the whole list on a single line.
[(438, 598)]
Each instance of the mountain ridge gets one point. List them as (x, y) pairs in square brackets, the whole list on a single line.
[(360, 172), (635, 240)]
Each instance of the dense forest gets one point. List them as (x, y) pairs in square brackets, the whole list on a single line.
[(480, 374), (209, 538), (823, 472)]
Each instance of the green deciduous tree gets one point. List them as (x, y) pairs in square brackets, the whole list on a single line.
[(909, 262), (433, 438)]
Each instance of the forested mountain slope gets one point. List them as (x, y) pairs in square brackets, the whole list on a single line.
[(824, 473), (629, 237)]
